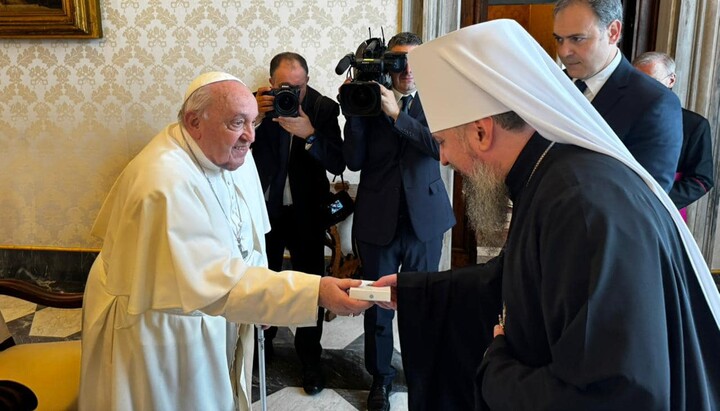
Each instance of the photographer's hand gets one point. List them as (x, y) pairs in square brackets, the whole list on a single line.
[(264, 102), (298, 126), (388, 103)]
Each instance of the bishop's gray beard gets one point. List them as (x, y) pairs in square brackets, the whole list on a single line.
[(486, 201)]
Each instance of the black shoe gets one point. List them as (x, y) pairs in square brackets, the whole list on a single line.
[(313, 380), (379, 397)]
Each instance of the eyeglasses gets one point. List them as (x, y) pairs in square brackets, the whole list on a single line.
[(669, 74)]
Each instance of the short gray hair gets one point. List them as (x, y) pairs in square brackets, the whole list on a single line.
[(197, 102), (606, 11), (655, 57)]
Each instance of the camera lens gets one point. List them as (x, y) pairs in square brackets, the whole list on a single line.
[(360, 99), (286, 103)]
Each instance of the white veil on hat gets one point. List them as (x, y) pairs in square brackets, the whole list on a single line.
[(496, 67)]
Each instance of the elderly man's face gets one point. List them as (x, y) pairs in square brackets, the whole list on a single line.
[(226, 127), (583, 46), (659, 72)]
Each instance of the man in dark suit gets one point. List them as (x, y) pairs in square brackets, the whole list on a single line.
[(644, 115), (292, 156), (694, 177), (402, 207)]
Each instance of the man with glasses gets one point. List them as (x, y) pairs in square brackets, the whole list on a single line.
[(694, 175), (292, 156), (644, 115)]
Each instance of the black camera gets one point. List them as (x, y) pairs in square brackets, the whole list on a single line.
[(287, 101), (371, 64)]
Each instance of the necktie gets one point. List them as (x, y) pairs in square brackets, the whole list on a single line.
[(581, 85), (405, 100)]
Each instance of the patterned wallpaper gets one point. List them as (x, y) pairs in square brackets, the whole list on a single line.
[(73, 113)]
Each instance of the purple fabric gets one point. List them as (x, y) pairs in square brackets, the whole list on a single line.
[(683, 211)]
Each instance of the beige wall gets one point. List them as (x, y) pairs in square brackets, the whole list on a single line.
[(73, 113)]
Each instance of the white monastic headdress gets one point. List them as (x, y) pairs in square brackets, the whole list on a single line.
[(209, 78), (495, 67)]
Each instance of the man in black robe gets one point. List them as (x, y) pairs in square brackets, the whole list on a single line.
[(603, 298)]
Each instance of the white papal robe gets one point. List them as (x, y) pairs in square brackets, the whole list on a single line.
[(169, 301)]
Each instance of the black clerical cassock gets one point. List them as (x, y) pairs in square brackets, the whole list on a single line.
[(604, 310)]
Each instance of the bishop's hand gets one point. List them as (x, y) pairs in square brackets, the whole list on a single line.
[(388, 281)]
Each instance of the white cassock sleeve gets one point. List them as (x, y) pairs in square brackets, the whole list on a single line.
[(167, 246)]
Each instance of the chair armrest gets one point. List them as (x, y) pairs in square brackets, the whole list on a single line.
[(38, 295)]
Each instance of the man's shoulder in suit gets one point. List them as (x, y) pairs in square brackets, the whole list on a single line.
[(640, 85)]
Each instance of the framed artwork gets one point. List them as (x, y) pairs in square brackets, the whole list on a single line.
[(50, 19)]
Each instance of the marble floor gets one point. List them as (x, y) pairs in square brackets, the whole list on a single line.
[(342, 358)]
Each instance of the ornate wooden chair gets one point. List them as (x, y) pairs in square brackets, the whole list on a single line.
[(341, 266), (50, 369)]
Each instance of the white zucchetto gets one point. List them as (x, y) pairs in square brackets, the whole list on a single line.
[(209, 78)]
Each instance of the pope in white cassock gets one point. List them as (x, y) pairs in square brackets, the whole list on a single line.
[(181, 277)]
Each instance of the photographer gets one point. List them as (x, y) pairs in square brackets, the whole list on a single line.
[(402, 208), (292, 154)]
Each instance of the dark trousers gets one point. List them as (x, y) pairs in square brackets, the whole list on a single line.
[(305, 240), (413, 255)]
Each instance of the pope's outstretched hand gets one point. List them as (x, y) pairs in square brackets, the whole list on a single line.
[(334, 296)]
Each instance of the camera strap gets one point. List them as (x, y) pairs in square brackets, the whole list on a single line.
[(316, 109)]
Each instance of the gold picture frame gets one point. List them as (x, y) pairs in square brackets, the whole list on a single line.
[(50, 19)]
